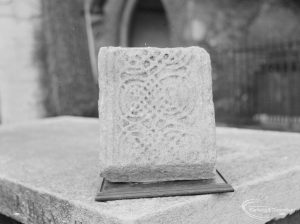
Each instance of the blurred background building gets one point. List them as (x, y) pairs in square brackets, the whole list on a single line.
[(48, 51)]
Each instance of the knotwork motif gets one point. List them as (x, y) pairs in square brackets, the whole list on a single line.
[(156, 94)]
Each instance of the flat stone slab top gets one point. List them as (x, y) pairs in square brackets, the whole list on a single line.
[(49, 173), (157, 114)]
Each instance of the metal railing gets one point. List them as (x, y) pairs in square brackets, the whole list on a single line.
[(260, 78)]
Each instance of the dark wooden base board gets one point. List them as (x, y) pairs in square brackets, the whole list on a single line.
[(6, 220), (110, 191)]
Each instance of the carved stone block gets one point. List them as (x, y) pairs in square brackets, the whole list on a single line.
[(156, 114)]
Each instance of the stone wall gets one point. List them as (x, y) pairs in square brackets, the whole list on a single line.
[(68, 79), (44, 61), (21, 95), (210, 23)]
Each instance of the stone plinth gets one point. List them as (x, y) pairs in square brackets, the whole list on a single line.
[(49, 173), (156, 113)]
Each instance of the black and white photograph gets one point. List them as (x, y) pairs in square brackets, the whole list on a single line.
[(149, 112)]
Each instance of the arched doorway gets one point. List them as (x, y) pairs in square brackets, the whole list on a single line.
[(148, 25), (126, 23)]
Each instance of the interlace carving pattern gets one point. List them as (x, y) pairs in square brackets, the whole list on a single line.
[(157, 95)]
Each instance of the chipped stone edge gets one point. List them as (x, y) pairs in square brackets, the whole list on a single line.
[(28, 204), (183, 209)]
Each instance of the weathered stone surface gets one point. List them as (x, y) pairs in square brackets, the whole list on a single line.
[(156, 113), (49, 173), (68, 80), (21, 94)]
